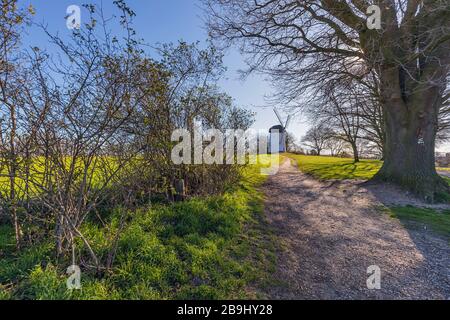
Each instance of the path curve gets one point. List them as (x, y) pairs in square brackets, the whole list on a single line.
[(331, 232)]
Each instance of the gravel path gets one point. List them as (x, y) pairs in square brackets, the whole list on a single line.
[(331, 232)]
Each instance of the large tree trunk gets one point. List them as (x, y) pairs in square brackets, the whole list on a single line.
[(409, 153)]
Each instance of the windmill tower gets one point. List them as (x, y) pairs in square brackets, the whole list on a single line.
[(281, 129)]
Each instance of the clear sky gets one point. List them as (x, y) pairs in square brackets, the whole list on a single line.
[(160, 21)]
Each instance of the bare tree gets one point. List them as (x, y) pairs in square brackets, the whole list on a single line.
[(304, 44), (339, 108), (336, 146), (292, 143), (317, 138), (12, 20), (353, 110)]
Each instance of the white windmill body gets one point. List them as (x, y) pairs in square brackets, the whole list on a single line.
[(281, 131)]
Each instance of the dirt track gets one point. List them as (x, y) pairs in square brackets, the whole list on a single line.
[(331, 232)]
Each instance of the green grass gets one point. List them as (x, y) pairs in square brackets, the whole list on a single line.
[(332, 168), (209, 248), (437, 221), (326, 168)]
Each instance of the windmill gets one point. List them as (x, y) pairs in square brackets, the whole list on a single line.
[(281, 130)]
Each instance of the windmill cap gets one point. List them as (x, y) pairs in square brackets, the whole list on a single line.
[(277, 127)]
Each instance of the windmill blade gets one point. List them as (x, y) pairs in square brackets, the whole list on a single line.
[(287, 122), (278, 116)]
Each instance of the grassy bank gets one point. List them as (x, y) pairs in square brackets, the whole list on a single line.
[(210, 248), (422, 218)]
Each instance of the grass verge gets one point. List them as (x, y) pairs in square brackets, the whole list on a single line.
[(438, 222)]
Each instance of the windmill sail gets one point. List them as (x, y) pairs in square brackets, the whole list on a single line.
[(278, 116), (287, 122)]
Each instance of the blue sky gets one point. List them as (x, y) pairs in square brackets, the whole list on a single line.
[(159, 21)]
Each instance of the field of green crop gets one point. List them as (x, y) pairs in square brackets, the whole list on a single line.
[(99, 171)]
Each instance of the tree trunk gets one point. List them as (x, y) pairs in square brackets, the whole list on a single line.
[(355, 152), (59, 235), (409, 157), (12, 176), (180, 190)]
